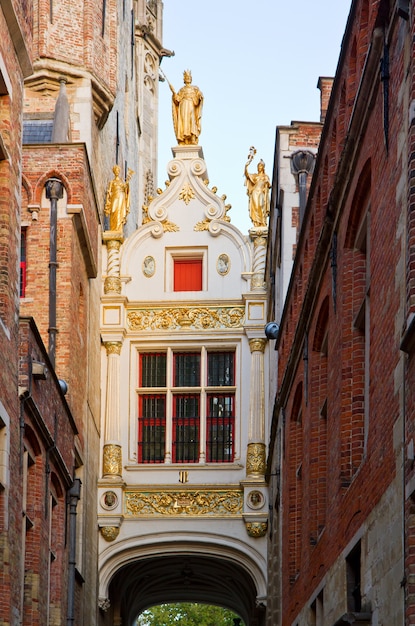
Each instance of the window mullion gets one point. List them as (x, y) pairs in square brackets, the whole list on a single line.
[(169, 405), (203, 379)]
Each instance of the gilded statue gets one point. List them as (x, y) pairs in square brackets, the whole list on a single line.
[(258, 186), (187, 111), (117, 204)]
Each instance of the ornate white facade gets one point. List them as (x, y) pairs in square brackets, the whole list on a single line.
[(183, 519)]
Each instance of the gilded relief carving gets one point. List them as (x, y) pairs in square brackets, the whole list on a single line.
[(113, 347), (256, 529), (110, 533), (186, 193), (112, 462), (255, 459), (112, 284), (202, 225), (186, 317), (193, 503), (257, 345)]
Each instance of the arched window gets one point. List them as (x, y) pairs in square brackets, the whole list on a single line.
[(295, 482)]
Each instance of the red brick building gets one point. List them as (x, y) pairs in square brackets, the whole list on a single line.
[(15, 65), (341, 460), (49, 495), (67, 72)]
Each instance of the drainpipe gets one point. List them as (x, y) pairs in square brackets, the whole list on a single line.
[(74, 495), (54, 192)]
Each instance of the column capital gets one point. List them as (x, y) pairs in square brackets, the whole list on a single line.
[(113, 347), (257, 344), (112, 239)]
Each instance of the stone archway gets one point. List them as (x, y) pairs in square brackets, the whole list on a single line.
[(182, 576)]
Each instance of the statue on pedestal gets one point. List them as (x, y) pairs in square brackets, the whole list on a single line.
[(258, 186), (187, 111), (117, 204)]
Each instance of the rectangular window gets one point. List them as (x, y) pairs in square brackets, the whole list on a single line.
[(153, 370), (23, 240), (191, 399), (151, 429), (353, 578), (187, 274), (220, 427), (187, 370), (186, 417), (221, 369)]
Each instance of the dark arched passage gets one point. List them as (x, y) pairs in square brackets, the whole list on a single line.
[(181, 578)]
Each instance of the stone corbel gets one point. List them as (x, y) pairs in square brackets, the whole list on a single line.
[(34, 210)]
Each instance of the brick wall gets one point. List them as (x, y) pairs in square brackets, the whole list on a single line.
[(14, 35), (348, 271), (48, 458)]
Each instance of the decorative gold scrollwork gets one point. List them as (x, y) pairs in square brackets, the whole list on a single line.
[(193, 503), (186, 317)]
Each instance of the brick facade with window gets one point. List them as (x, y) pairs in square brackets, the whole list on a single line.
[(342, 524)]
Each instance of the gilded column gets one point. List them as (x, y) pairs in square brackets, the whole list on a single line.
[(112, 282), (112, 461), (255, 462), (259, 238)]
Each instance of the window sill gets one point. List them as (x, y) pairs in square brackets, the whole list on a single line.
[(187, 466)]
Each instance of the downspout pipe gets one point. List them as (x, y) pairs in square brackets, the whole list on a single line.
[(73, 495), (54, 192)]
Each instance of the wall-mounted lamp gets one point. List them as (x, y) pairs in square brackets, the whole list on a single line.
[(271, 330)]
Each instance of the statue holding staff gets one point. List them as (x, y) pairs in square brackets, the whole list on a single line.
[(258, 186), (187, 107), (117, 204)]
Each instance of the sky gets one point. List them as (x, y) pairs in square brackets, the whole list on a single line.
[(257, 63)]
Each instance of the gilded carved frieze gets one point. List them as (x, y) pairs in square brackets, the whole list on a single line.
[(175, 318), (218, 502)]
